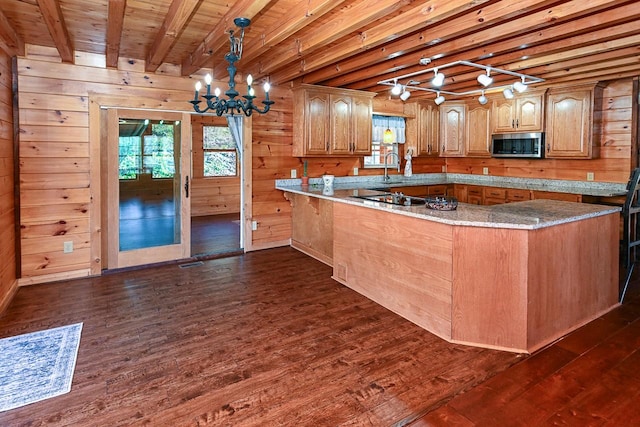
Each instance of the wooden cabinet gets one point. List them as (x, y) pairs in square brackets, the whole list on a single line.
[(570, 130), (517, 195), (474, 194), (550, 195), (452, 129), (523, 113), (331, 122), (312, 226), (494, 196), (478, 130), (422, 128)]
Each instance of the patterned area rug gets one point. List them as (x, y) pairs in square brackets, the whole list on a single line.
[(37, 366)]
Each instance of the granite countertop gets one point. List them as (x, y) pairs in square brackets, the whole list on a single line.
[(532, 214), (586, 188)]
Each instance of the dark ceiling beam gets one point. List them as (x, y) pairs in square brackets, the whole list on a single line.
[(218, 38), (10, 40), (115, 21), (178, 16), (52, 15)]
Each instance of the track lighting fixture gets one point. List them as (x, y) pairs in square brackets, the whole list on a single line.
[(482, 99), (485, 79), (520, 86), (508, 93), (438, 78), (439, 99), (396, 89), (405, 94)]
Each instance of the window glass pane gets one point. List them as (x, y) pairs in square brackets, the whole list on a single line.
[(217, 138), (220, 163), (379, 150), (158, 156), (129, 161)]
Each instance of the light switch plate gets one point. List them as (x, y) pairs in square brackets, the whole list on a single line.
[(67, 247), (590, 176), (294, 173), (355, 171), (485, 171), (254, 225)]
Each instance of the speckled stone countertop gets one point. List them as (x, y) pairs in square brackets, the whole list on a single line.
[(532, 214), (586, 188)]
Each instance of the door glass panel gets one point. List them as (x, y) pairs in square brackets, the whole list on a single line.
[(149, 183)]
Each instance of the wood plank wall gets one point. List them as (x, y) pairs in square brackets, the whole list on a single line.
[(55, 160), (8, 283), (212, 195)]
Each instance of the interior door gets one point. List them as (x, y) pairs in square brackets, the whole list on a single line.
[(148, 173)]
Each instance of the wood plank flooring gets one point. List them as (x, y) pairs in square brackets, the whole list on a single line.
[(269, 339)]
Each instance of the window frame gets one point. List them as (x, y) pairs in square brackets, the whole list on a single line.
[(218, 150)]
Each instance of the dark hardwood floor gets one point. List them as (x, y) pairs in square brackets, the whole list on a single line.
[(269, 339), (215, 234)]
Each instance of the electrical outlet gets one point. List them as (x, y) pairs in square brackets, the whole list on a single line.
[(355, 171), (294, 173), (485, 171), (444, 168), (590, 176), (67, 247), (254, 225)]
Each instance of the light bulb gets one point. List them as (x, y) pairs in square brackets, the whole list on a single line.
[(249, 79), (198, 86), (217, 92), (438, 78), (267, 87), (508, 93), (208, 79), (252, 92), (439, 99)]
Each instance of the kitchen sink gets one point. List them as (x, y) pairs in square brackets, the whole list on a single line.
[(394, 199)]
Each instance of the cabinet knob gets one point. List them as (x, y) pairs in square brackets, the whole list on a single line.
[(513, 123), (517, 123)]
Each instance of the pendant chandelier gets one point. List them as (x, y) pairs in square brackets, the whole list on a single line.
[(231, 105)]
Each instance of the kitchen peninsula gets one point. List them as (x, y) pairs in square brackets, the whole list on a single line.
[(514, 276)]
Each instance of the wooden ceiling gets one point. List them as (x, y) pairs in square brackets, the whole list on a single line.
[(342, 43)]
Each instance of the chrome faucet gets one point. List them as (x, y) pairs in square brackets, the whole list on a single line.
[(386, 172)]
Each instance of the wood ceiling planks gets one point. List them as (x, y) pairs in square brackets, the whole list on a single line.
[(342, 43)]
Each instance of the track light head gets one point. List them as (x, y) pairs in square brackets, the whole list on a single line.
[(438, 78), (439, 99), (520, 86), (485, 79), (508, 93)]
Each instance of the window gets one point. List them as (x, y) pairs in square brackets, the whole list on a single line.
[(220, 155), (146, 149), (380, 150)]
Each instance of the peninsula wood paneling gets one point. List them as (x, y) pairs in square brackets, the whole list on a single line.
[(8, 272)]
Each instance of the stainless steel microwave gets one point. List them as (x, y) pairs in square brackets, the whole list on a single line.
[(521, 145)]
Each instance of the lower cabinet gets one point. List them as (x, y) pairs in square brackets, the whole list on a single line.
[(550, 195)]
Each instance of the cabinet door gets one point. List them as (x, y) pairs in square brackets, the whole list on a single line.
[(316, 122), (478, 131), (427, 139), (529, 113), (362, 111), (341, 129), (452, 129), (569, 125), (504, 113)]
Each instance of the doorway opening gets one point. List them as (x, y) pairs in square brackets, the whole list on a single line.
[(216, 201)]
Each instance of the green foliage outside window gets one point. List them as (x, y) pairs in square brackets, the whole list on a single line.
[(220, 156), (148, 153)]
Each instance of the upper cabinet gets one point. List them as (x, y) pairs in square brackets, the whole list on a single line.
[(478, 124), (452, 129), (570, 129), (422, 127), (524, 113), (331, 122)]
